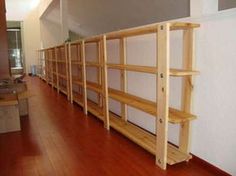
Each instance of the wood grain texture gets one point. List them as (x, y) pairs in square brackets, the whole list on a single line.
[(152, 70), (56, 139)]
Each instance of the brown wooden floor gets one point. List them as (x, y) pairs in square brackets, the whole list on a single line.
[(57, 139)]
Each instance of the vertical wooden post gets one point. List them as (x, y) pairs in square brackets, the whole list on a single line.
[(56, 57), (67, 72), (70, 73), (162, 94), (51, 65), (80, 69), (47, 61), (46, 65), (105, 84), (123, 76), (187, 87), (84, 76), (99, 71)]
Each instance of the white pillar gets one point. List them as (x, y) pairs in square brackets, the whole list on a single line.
[(64, 20), (203, 7)]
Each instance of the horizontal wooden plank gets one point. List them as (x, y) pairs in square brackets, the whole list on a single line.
[(78, 98), (61, 61), (152, 70), (93, 39), (94, 109), (63, 90), (76, 62), (62, 76), (93, 64), (77, 82), (148, 29), (146, 140), (94, 86), (175, 116)]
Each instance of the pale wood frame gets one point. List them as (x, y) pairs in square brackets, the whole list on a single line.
[(156, 144)]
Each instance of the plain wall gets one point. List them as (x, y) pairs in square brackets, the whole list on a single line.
[(31, 39), (50, 33)]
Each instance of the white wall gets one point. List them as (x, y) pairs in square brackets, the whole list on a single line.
[(214, 132), (50, 33), (31, 38)]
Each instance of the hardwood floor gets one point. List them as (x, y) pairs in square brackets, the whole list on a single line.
[(57, 139)]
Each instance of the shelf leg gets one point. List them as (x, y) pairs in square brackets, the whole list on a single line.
[(105, 85), (99, 55), (70, 73), (187, 87), (123, 76), (84, 77), (56, 56), (162, 94)]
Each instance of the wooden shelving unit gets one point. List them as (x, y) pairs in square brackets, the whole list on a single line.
[(62, 69), (48, 68), (41, 64), (99, 108), (76, 74), (75, 64)]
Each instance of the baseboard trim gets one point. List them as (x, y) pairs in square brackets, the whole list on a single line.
[(217, 171)]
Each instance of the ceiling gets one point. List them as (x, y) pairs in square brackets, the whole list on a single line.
[(89, 17), (18, 9)]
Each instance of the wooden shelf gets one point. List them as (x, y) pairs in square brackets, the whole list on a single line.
[(63, 89), (94, 109), (93, 64), (175, 116), (94, 86), (93, 39), (76, 62), (152, 70), (147, 29), (62, 76), (146, 140), (61, 61), (78, 98), (77, 82)]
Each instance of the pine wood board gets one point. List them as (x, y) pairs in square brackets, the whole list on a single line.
[(152, 70), (62, 76), (148, 29), (93, 64), (76, 62), (78, 98), (175, 116), (146, 140), (77, 81), (94, 86), (61, 60), (94, 109), (63, 90)]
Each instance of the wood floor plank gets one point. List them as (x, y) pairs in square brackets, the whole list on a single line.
[(56, 139)]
